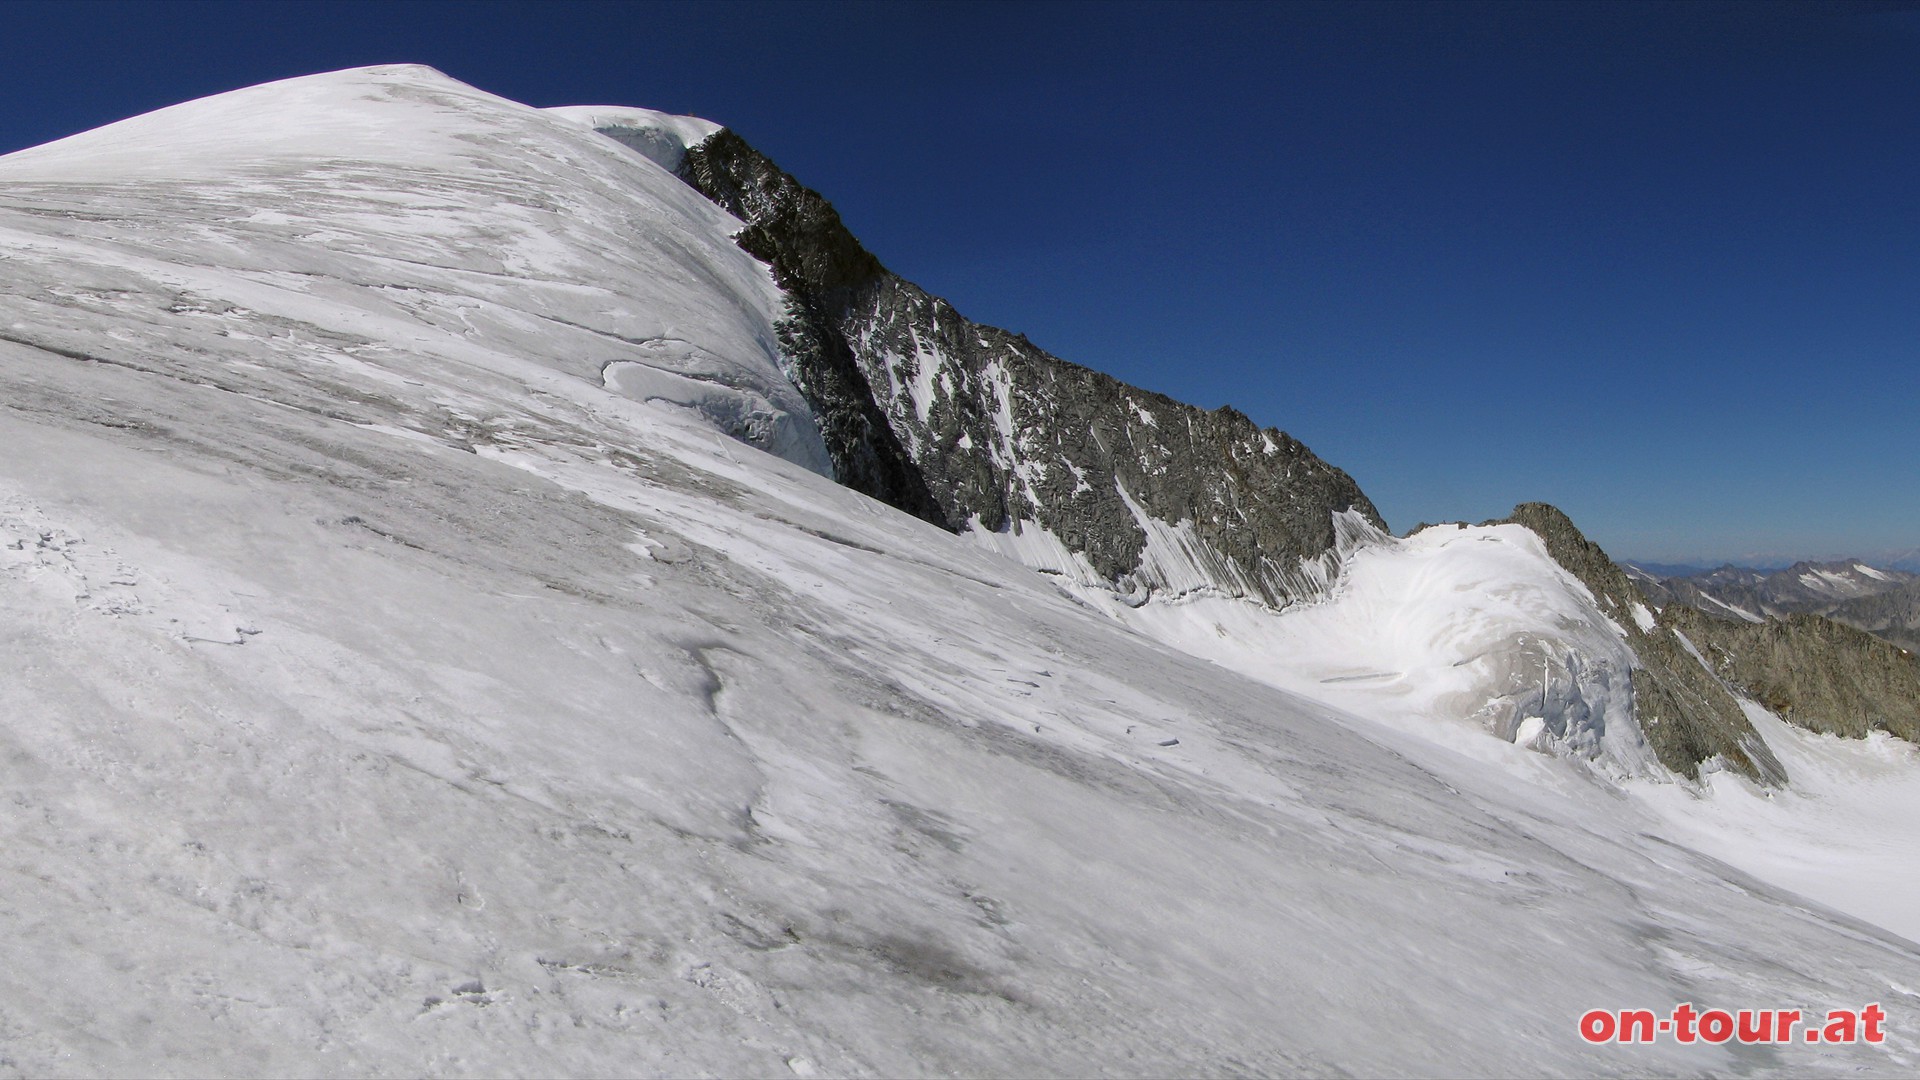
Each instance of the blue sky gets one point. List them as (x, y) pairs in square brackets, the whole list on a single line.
[(1658, 264)]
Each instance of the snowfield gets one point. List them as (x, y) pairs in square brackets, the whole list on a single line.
[(432, 647)]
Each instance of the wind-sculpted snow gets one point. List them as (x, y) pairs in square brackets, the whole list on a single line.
[(386, 693), (1454, 634)]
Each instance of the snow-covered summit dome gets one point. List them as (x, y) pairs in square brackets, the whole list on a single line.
[(393, 112), (502, 235), (397, 113)]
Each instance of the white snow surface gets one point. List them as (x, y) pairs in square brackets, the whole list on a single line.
[(1841, 584), (1837, 834), (1734, 609), (401, 677)]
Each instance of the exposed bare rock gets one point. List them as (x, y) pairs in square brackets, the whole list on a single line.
[(1812, 671), (969, 425)]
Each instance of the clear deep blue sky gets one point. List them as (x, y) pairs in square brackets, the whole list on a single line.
[(1657, 264)]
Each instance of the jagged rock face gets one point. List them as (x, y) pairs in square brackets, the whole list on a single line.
[(1813, 671), (1687, 714), (969, 425), (814, 259)]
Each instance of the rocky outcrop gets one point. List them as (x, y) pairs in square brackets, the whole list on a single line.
[(1688, 715), (972, 426), (1812, 671), (1706, 644)]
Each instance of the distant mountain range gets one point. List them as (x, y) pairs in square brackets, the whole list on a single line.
[(1883, 601)]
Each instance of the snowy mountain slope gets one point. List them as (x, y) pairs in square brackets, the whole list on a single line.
[(1838, 834), (1133, 494), (523, 800), (387, 691)]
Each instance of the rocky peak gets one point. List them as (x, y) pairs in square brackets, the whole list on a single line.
[(976, 427)]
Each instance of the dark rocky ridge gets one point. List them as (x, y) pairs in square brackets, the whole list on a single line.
[(968, 425), (1688, 714), (814, 259)]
